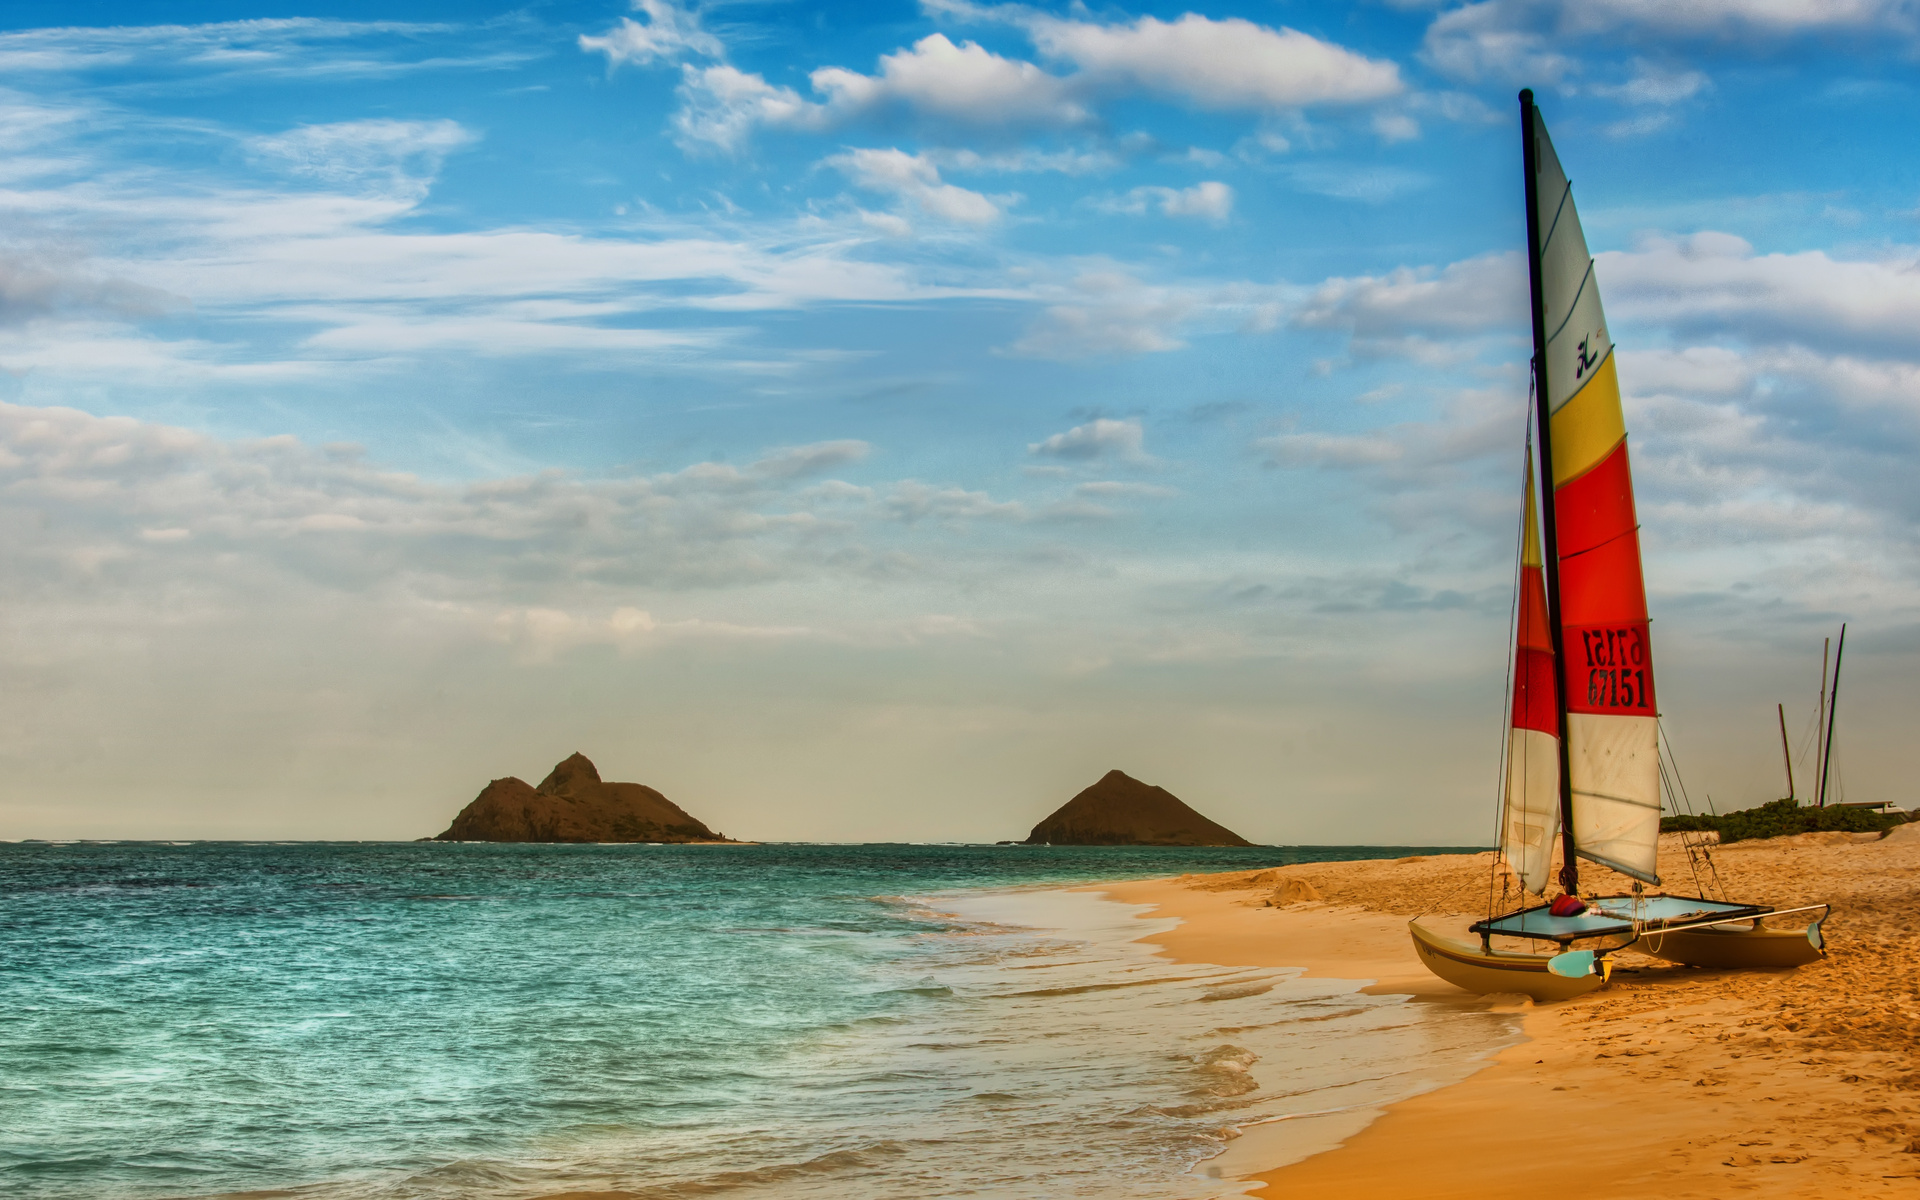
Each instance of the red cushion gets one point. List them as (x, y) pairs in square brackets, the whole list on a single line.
[(1567, 906)]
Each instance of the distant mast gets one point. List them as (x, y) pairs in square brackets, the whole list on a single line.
[(1786, 752), (1820, 725), (1833, 710)]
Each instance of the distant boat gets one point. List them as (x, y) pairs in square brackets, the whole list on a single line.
[(1583, 765)]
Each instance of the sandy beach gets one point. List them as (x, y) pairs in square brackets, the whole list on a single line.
[(1671, 1081)]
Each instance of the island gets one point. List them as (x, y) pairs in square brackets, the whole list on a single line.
[(1121, 811), (573, 804)]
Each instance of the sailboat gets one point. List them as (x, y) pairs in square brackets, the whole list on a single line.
[(1583, 766)]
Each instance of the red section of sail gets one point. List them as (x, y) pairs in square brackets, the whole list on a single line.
[(1533, 692), (1533, 699), (1595, 507), (1533, 633), (1603, 598), (1602, 586)]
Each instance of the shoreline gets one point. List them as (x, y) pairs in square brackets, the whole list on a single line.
[(1681, 1082)]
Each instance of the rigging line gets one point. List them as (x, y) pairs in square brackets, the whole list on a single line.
[(1668, 743), (1693, 859), (1666, 784), (1513, 663), (1671, 757), (1809, 738), (1712, 868), (1679, 802)]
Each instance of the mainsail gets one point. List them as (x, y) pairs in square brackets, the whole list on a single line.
[(1607, 672), (1530, 818)]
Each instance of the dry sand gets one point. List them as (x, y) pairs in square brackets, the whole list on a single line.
[(1672, 1082)]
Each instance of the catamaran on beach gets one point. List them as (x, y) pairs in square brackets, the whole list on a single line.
[(1583, 768)]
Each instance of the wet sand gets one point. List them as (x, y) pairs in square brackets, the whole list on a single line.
[(1671, 1081)]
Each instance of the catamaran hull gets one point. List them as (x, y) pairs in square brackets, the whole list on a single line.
[(1732, 948), (1485, 972)]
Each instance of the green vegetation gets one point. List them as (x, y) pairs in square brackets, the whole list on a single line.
[(1778, 818)]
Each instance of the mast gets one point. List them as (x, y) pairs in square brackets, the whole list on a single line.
[(1826, 757), (1569, 866), (1820, 723), (1784, 752)]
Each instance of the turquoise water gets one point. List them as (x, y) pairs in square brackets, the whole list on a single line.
[(426, 1020)]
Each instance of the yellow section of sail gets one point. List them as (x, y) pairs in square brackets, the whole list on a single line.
[(1530, 539), (1588, 426)]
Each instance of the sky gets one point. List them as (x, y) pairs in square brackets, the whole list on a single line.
[(876, 421)]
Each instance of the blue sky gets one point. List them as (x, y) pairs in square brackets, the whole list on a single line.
[(879, 420)]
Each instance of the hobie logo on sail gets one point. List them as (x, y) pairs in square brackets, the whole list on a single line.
[(1592, 349)]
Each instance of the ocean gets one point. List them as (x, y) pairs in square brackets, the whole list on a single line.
[(425, 1021)]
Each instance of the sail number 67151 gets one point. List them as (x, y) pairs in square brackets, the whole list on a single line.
[(1610, 669)]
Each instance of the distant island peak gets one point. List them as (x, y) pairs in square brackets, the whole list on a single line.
[(573, 804), (1120, 810)]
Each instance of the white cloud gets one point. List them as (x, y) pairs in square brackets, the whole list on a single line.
[(273, 47), (289, 282), (1458, 470), (1125, 489), (143, 495), (1744, 18), (1456, 106), (934, 80), (888, 224), (1395, 127), (1105, 312), (1713, 283), (1707, 284), (1102, 437), (1643, 125), (384, 156), (495, 334), (542, 634), (911, 501), (1369, 183), (1332, 449), (1027, 159), (963, 84), (1654, 83), (670, 33), (1224, 64), (1773, 400), (1230, 64), (1472, 297), (1113, 315), (796, 462), (1211, 201), (1526, 40), (913, 177), (1506, 40), (721, 105), (39, 286)]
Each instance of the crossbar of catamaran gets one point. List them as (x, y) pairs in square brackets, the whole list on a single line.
[(1583, 766)]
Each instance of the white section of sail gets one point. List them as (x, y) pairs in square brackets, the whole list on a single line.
[(1577, 338), (1530, 818), (1614, 763)]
